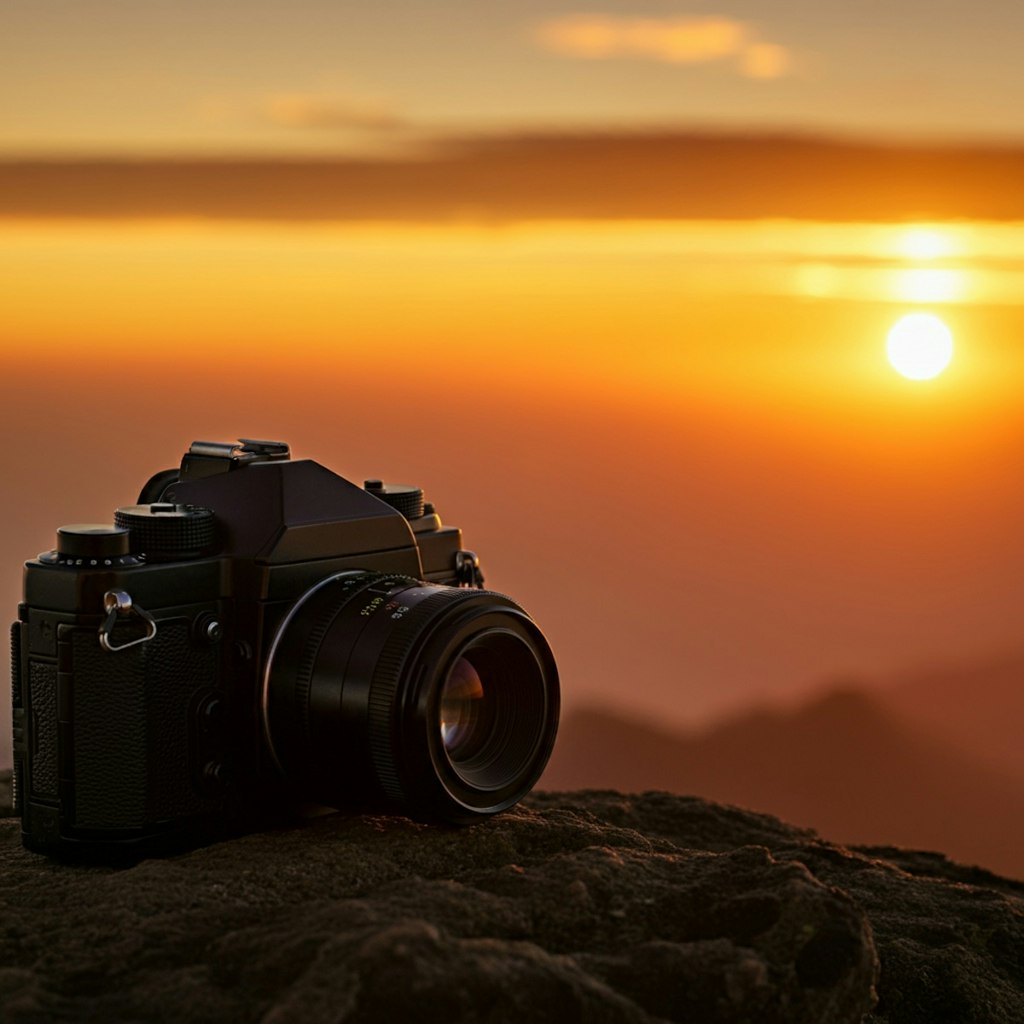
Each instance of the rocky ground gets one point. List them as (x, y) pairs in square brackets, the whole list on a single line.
[(586, 906)]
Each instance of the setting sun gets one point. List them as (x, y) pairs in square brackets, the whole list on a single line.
[(920, 346)]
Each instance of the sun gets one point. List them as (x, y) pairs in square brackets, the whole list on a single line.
[(920, 346)]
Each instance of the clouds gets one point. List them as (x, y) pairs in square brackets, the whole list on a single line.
[(502, 179), (681, 39), (312, 110)]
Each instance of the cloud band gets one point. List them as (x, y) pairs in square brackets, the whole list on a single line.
[(676, 40)]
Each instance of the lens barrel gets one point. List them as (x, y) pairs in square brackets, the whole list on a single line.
[(443, 699)]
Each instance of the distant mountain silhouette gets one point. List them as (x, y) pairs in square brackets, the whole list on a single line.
[(977, 708), (843, 764)]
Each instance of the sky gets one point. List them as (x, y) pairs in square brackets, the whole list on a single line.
[(678, 444), (216, 76), (613, 283)]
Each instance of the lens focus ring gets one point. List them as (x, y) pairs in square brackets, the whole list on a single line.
[(386, 680)]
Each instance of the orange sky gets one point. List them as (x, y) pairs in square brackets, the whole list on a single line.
[(678, 443), (613, 286)]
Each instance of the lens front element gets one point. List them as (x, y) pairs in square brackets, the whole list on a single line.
[(492, 710), (466, 716)]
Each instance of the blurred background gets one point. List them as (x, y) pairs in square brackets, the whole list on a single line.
[(616, 284)]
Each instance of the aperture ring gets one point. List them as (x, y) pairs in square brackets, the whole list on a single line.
[(320, 607), (311, 649)]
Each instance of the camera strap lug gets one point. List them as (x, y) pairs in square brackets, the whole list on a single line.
[(118, 604), (468, 571)]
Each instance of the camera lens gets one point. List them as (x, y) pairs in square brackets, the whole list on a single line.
[(442, 699), (491, 703), (464, 711)]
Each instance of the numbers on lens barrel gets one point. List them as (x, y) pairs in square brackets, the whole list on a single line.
[(396, 609)]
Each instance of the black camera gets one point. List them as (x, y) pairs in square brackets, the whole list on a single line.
[(260, 633)]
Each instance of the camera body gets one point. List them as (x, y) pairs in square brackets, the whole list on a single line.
[(257, 633)]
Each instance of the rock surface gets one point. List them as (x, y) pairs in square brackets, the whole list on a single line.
[(587, 906)]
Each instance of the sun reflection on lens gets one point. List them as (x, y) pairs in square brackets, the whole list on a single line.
[(460, 705)]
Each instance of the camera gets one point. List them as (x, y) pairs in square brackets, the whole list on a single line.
[(258, 633)]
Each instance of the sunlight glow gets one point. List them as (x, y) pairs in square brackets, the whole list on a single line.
[(920, 346), (922, 243), (929, 285)]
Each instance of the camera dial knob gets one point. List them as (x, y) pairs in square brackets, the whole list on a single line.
[(90, 544), (164, 532), (401, 497)]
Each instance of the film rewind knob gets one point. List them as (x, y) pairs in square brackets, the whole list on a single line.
[(91, 542)]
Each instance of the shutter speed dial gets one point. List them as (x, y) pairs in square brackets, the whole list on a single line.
[(164, 532)]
